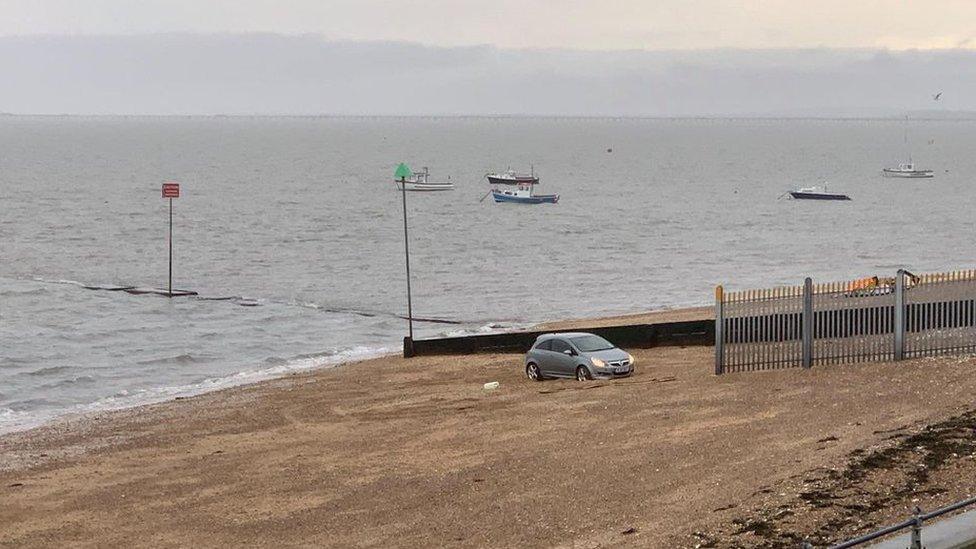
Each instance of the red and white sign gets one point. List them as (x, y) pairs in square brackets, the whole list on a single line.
[(171, 190)]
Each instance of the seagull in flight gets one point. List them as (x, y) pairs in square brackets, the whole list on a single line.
[(937, 96)]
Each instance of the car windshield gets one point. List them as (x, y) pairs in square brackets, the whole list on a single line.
[(590, 343)]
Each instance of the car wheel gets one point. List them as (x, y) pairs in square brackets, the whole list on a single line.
[(582, 374), (533, 372)]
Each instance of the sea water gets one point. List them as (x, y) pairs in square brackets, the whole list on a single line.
[(300, 218)]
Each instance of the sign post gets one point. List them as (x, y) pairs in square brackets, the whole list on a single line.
[(402, 173), (171, 191)]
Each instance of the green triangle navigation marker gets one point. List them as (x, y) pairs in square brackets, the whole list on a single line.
[(402, 171)]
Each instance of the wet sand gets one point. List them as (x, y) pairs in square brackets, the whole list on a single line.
[(414, 453)]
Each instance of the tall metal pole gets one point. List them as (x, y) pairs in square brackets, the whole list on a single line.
[(406, 250), (719, 329), (170, 247), (807, 323), (899, 316)]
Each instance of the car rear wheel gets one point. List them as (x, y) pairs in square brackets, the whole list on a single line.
[(533, 372), (582, 374)]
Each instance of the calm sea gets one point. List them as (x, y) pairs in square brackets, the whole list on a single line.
[(301, 217)]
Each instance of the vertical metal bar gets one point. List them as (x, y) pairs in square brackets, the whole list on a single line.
[(807, 323), (762, 329), (719, 330), (765, 329), (754, 331), (864, 329), (737, 346), (778, 328), (408, 345), (735, 337), (170, 293), (797, 320), (899, 336), (872, 328), (828, 334), (916, 538)]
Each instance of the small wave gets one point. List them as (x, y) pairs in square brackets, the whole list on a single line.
[(31, 291), (330, 309), (15, 420), (369, 313), (177, 359), (50, 370), (485, 329), (58, 281), (82, 379), (12, 361), (236, 299)]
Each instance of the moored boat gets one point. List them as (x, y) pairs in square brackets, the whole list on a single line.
[(518, 188), (511, 177), (907, 170), (522, 194), (816, 193), (420, 181)]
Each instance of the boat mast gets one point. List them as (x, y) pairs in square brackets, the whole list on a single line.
[(907, 148)]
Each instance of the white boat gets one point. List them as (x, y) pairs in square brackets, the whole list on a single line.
[(420, 181), (908, 170)]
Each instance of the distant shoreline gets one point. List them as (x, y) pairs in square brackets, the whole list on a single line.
[(919, 117)]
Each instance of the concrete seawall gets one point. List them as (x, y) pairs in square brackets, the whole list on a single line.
[(641, 336)]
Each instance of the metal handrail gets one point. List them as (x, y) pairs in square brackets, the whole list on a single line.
[(915, 523)]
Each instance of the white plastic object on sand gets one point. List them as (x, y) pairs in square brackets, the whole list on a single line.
[(491, 385)]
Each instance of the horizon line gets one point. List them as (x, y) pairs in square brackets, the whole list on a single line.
[(959, 115), (327, 39)]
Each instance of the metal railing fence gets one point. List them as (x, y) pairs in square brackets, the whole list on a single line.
[(915, 523), (862, 320)]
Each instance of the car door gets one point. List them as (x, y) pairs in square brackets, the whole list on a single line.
[(563, 364), (542, 353)]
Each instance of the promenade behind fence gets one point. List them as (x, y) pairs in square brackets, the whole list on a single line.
[(869, 319)]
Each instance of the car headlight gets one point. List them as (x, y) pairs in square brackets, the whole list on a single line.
[(598, 363), (631, 357)]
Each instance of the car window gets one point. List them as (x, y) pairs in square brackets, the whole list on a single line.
[(591, 343), (545, 345), (559, 345)]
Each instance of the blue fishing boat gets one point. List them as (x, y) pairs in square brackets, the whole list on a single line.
[(523, 196), (517, 188)]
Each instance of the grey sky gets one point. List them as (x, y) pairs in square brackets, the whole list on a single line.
[(576, 24), (276, 74), (487, 57)]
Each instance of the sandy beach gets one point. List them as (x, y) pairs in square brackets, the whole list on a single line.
[(393, 452)]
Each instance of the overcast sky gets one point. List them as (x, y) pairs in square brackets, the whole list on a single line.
[(577, 24), (456, 57)]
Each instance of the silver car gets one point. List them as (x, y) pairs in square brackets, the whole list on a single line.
[(576, 354)]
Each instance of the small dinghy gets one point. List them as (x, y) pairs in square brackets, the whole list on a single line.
[(816, 193), (420, 181)]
